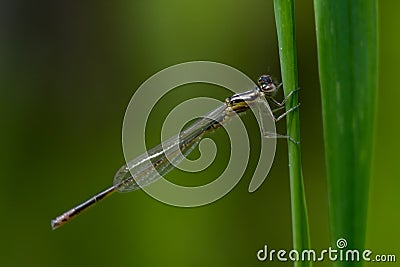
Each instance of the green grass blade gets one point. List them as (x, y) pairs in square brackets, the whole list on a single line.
[(284, 16), (347, 54)]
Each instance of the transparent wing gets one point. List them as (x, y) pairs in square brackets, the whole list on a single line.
[(266, 122), (161, 159)]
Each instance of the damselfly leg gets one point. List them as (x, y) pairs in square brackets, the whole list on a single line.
[(270, 90)]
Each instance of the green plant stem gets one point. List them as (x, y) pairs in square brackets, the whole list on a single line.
[(347, 55), (284, 16)]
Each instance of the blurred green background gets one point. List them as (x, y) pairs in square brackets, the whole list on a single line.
[(68, 71)]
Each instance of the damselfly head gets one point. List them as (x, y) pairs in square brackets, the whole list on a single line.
[(267, 86)]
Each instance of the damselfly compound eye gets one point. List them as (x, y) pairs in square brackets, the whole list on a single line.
[(267, 86)]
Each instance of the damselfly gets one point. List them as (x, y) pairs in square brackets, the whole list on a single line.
[(161, 159)]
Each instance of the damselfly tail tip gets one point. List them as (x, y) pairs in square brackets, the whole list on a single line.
[(59, 221), (62, 219), (54, 224)]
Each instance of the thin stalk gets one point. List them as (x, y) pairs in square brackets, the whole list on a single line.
[(285, 23)]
